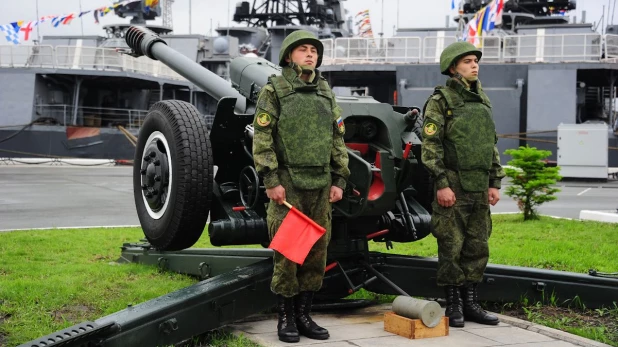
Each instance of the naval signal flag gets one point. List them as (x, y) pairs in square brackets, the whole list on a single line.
[(27, 29), (9, 32)]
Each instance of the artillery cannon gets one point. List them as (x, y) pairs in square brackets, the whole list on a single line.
[(388, 199), (174, 162)]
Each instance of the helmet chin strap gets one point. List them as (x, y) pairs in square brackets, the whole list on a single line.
[(307, 69), (302, 69), (468, 81)]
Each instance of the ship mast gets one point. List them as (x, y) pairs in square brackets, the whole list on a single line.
[(461, 23), (269, 13)]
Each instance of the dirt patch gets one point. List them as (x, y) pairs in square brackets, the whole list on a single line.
[(99, 257), (74, 313)]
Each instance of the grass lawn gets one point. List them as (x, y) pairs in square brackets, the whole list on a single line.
[(53, 279)]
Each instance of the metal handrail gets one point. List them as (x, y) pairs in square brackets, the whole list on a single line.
[(610, 43), (550, 48), (81, 58), (92, 116), (553, 48)]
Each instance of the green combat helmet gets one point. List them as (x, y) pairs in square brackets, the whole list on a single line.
[(451, 54), (298, 38)]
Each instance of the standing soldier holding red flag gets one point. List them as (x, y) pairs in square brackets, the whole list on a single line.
[(299, 151)]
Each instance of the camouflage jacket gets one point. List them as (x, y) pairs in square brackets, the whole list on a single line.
[(438, 134), (269, 152)]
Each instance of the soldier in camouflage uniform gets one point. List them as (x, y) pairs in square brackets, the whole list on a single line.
[(459, 150), (299, 151)]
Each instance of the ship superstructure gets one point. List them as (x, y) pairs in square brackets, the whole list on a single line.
[(541, 68)]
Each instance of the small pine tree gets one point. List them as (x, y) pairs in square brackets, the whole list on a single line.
[(531, 179)]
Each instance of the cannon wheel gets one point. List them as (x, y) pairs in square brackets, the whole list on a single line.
[(172, 175)]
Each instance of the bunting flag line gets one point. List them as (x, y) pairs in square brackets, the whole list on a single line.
[(12, 30), (150, 5), (365, 12), (483, 21), (364, 24), (27, 29), (10, 33)]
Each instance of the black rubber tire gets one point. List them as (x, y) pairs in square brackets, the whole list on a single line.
[(189, 191)]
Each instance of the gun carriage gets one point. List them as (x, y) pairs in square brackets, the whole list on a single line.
[(176, 188)]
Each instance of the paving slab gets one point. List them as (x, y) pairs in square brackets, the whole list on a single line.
[(510, 335), (365, 328)]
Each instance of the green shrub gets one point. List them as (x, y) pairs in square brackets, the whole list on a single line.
[(532, 179)]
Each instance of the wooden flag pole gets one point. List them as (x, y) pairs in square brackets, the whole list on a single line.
[(287, 204)]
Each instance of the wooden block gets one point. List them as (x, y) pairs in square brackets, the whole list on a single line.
[(413, 328)]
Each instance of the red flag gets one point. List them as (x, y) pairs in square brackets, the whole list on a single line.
[(68, 19), (296, 235), (27, 29)]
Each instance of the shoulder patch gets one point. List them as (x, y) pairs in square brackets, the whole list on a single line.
[(263, 119), (430, 128), (340, 125)]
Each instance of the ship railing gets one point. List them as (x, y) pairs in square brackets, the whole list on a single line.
[(611, 47), (81, 58), (101, 117), (372, 51), (23, 56), (107, 59), (550, 48), (433, 47), (327, 56), (90, 58)]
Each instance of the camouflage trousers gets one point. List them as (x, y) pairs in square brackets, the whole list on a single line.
[(462, 231), (290, 278)]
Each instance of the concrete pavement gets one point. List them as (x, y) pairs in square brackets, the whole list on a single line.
[(365, 328), (60, 196)]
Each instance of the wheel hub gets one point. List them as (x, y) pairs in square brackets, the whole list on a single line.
[(155, 175)]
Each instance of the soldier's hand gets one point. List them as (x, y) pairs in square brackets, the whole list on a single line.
[(336, 194), (446, 197), (494, 196), (276, 194)]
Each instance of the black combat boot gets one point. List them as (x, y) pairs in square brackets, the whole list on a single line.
[(306, 325), (454, 307), (472, 310), (286, 328)]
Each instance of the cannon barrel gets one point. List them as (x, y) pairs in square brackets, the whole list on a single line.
[(145, 42), (249, 75)]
